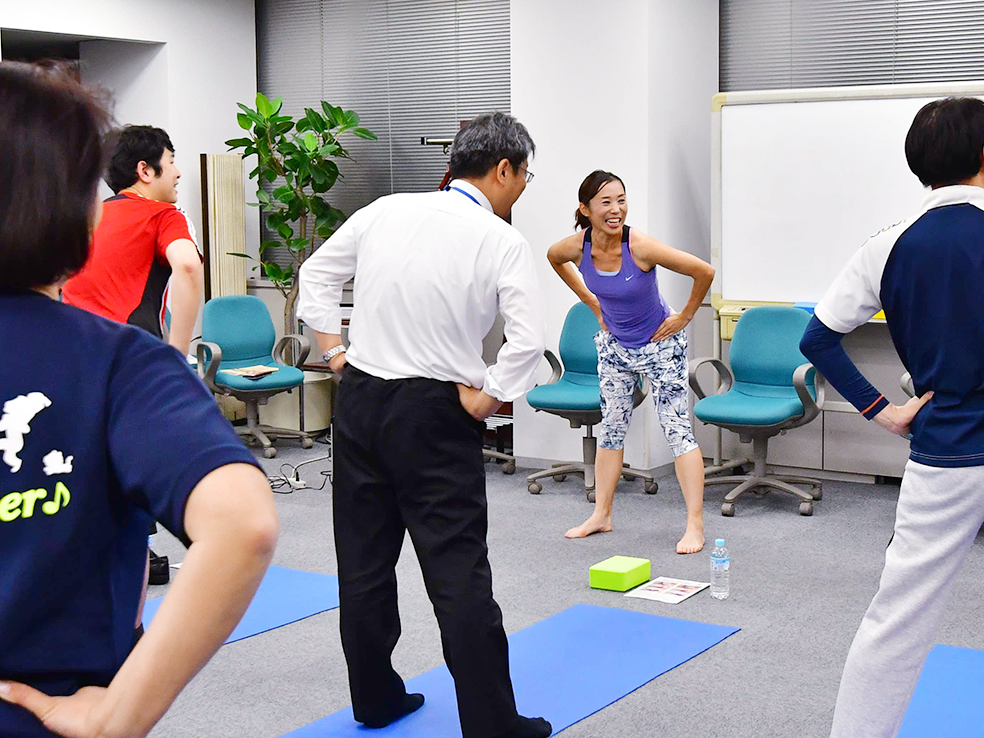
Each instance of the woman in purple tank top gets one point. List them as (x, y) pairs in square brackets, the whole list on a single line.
[(640, 336)]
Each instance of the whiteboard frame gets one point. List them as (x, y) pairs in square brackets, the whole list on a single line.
[(973, 88)]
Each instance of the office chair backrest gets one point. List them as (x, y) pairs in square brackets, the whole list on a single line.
[(765, 345), (577, 349), (240, 325)]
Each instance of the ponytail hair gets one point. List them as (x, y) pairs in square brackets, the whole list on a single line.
[(588, 189)]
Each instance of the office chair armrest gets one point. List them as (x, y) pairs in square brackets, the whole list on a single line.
[(906, 384), (208, 365), (719, 366), (556, 370), (303, 349), (811, 407)]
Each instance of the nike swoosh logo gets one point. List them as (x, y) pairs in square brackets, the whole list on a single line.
[(629, 277)]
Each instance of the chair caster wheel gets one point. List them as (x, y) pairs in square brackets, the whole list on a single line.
[(627, 477), (559, 477), (270, 452), (591, 495), (760, 493), (307, 443), (728, 509), (534, 488), (652, 488), (817, 494), (806, 508), (509, 467)]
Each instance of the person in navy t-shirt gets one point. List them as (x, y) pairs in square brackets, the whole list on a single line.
[(102, 428), (926, 274)]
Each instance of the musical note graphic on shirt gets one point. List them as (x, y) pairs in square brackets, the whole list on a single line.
[(55, 504)]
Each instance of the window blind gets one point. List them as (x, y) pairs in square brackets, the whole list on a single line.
[(410, 69), (768, 44)]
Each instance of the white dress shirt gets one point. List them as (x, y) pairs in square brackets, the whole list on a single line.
[(431, 271)]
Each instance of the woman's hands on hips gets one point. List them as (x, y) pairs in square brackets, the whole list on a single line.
[(673, 324)]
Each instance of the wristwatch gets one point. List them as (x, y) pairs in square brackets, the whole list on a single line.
[(333, 352)]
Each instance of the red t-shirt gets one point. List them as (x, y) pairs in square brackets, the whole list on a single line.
[(126, 277)]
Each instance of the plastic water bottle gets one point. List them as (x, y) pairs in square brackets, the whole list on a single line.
[(720, 571)]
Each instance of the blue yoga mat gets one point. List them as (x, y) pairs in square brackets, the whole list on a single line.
[(949, 698), (564, 668), (284, 596)]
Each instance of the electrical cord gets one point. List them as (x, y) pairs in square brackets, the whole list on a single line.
[(293, 481)]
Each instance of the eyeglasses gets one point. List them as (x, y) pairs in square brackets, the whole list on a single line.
[(528, 174)]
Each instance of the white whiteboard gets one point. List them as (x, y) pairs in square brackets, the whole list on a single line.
[(804, 184)]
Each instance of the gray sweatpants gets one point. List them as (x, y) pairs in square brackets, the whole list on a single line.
[(939, 514)]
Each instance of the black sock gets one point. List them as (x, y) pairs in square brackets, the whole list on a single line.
[(529, 728), (409, 703)]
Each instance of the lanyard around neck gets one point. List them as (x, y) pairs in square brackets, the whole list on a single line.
[(469, 195)]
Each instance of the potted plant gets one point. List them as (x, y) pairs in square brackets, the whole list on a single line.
[(298, 157)]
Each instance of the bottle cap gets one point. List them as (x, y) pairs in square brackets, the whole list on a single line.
[(719, 542)]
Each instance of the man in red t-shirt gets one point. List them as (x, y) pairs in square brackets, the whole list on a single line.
[(144, 261)]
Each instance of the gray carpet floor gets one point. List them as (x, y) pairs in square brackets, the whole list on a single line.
[(799, 587)]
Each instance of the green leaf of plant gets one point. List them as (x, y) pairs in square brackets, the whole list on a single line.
[(311, 141), (303, 125), (273, 271), (288, 275), (243, 256), (236, 143), (275, 105), (365, 133), (269, 175), (268, 245), (333, 114), (263, 197), (284, 127), (244, 122), (263, 106), (297, 245), (314, 118), (285, 231), (351, 118), (250, 113)]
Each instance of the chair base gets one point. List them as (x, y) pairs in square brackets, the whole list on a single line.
[(761, 483), (256, 430), (262, 433), (508, 462), (587, 469)]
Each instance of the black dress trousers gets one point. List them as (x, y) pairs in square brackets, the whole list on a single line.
[(407, 457)]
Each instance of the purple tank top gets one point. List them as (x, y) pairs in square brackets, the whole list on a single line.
[(630, 301)]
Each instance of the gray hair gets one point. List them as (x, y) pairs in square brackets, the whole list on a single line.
[(486, 141)]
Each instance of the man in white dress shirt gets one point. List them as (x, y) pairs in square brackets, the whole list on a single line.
[(432, 270)]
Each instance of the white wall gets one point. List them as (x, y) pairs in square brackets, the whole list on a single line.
[(585, 111), (640, 109), (209, 57)]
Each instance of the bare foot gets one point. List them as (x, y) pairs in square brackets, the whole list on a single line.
[(591, 525), (692, 541)]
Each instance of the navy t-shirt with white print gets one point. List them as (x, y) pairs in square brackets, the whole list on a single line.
[(103, 428), (927, 273)]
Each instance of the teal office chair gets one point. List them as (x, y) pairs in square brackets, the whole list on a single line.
[(572, 393), (237, 332), (771, 388)]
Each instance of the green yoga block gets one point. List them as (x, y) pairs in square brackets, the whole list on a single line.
[(619, 573)]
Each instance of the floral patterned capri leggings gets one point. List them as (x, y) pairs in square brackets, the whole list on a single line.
[(665, 365)]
